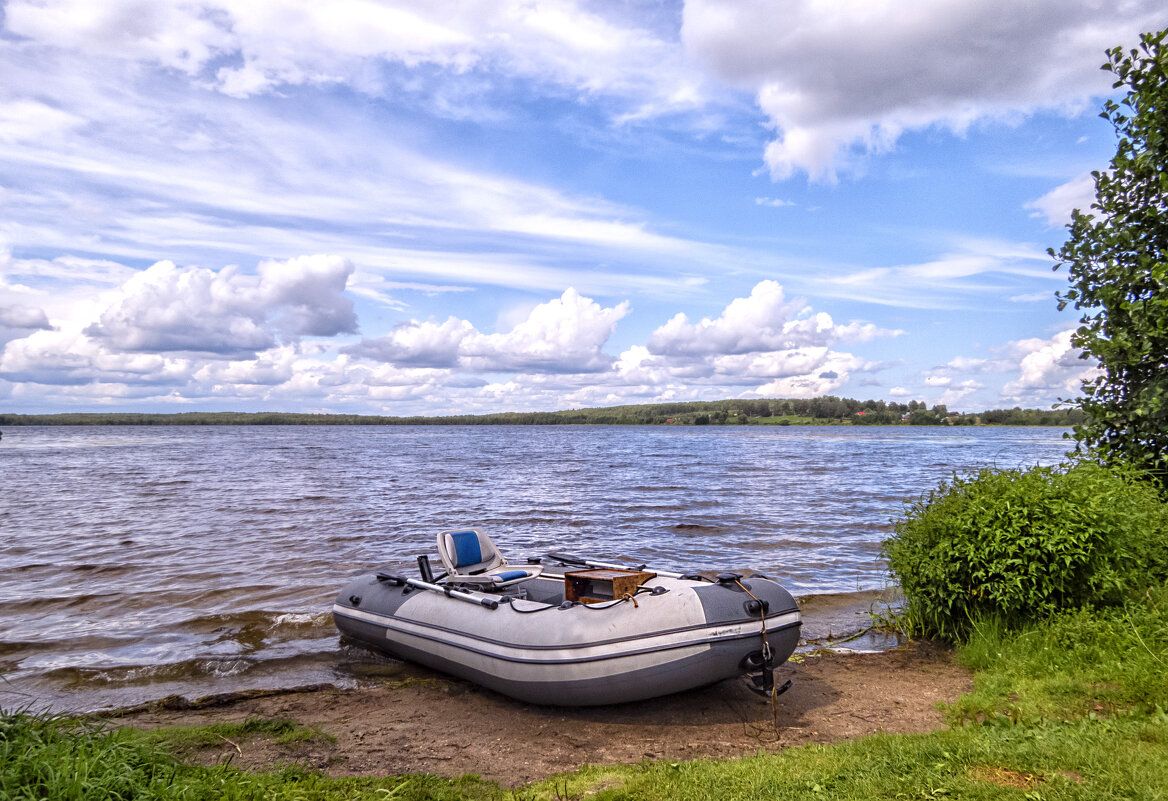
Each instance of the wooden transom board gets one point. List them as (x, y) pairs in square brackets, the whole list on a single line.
[(599, 584)]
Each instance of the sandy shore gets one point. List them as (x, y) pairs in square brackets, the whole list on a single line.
[(412, 720)]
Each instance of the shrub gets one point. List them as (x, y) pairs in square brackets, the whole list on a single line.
[(1021, 544)]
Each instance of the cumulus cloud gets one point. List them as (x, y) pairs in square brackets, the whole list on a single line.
[(18, 320), (834, 91), (761, 345), (563, 335), (227, 313), (1048, 369), (774, 346), (764, 321), (26, 317), (69, 358), (422, 344)]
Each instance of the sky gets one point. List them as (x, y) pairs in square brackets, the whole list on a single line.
[(473, 206)]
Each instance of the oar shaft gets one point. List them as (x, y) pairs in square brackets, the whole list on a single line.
[(478, 600), (575, 560)]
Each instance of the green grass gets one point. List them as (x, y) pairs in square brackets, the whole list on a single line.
[(1120, 758), (1072, 708), (278, 730), (47, 757), (1076, 664)]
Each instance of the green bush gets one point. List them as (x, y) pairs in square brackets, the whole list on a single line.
[(1022, 544)]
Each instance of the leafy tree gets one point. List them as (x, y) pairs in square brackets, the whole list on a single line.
[(1118, 272)]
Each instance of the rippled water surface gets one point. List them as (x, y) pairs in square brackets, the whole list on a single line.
[(139, 562)]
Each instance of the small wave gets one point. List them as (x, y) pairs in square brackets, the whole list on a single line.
[(32, 566), (311, 620), (189, 670), (259, 620), (98, 569)]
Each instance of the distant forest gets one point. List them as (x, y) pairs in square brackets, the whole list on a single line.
[(828, 410)]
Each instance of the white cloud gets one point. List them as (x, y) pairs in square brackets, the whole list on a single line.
[(765, 321), (33, 120), (563, 335), (956, 394), (70, 358), (1048, 369), (1057, 204), (948, 280), (19, 316), (246, 48), (19, 320), (181, 36), (425, 344), (227, 313), (843, 79), (775, 346)]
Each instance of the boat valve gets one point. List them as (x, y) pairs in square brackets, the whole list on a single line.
[(756, 606)]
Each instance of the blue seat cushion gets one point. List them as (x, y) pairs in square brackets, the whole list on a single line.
[(466, 548), (511, 575)]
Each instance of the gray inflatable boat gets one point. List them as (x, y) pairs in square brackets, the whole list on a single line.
[(568, 631)]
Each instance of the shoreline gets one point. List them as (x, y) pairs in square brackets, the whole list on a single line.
[(410, 720)]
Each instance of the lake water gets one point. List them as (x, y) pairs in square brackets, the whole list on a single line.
[(140, 562)]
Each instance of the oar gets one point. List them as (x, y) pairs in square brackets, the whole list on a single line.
[(449, 592), (576, 560)]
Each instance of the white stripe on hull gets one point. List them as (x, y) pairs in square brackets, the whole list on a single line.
[(461, 646)]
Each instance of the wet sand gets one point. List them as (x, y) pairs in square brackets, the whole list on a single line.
[(411, 720)]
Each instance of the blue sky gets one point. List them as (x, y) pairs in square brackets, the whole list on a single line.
[(416, 208)]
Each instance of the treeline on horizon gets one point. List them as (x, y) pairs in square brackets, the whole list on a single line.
[(828, 410)]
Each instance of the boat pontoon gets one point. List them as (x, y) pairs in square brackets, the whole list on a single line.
[(569, 631)]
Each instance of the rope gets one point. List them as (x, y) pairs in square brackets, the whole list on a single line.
[(766, 646), (766, 657)]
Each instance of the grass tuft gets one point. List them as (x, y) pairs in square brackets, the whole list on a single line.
[(1076, 664), (189, 738)]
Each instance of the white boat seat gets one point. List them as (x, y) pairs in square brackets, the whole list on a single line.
[(470, 557)]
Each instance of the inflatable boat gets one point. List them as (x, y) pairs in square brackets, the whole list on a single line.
[(568, 631)]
